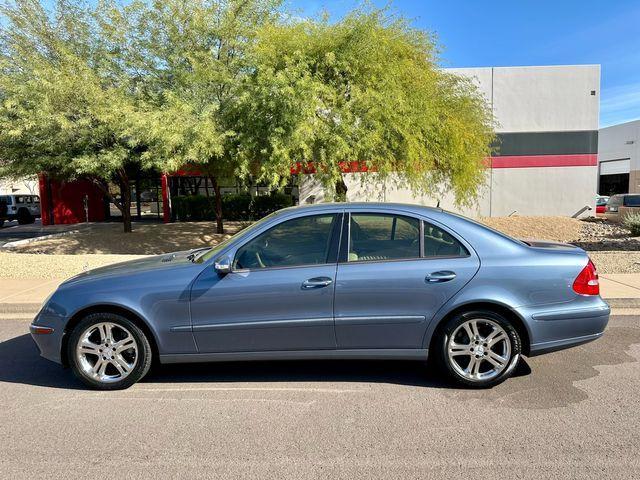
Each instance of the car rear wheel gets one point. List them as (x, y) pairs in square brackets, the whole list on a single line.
[(478, 349), (109, 352)]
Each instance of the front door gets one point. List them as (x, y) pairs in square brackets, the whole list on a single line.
[(279, 295), (397, 273)]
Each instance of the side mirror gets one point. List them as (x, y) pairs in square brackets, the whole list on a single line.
[(222, 265)]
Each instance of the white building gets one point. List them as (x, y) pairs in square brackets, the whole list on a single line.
[(619, 159), (28, 186), (546, 162)]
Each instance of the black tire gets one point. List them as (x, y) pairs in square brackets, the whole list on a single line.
[(24, 217), (449, 328), (143, 360)]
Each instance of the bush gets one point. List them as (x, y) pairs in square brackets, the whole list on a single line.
[(266, 204), (632, 222), (193, 208), (234, 206)]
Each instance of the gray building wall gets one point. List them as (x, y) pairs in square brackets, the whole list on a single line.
[(547, 163)]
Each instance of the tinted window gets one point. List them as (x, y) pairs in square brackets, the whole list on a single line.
[(36, 199), (6, 199), (438, 243), (615, 201), (301, 241), (376, 237), (19, 199), (632, 201)]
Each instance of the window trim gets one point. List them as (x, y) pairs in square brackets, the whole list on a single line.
[(343, 257), (336, 229)]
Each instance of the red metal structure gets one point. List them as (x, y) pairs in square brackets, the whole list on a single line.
[(63, 202)]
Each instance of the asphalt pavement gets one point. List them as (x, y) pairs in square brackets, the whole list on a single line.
[(570, 414)]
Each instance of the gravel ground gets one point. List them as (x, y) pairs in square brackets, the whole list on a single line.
[(29, 265), (609, 245), (561, 229), (146, 239)]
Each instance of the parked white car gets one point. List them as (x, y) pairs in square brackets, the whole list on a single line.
[(24, 208)]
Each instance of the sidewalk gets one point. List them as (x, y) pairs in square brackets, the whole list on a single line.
[(619, 290)]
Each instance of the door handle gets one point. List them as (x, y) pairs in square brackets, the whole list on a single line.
[(439, 277), (316, 282)]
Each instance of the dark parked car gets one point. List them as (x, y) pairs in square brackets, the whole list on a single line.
[(334, 281)]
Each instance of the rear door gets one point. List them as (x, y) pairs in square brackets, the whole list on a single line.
[(395, 272)]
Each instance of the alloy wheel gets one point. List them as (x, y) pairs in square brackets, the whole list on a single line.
[(107, 352), (479, 349)]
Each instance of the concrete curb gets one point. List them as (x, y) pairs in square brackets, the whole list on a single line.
[(31, 308), (26, 241), (623, 302)]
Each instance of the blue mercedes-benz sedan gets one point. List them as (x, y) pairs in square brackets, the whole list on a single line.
[(334, 281)]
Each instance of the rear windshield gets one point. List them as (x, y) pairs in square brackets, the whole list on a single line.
[(632, 201)]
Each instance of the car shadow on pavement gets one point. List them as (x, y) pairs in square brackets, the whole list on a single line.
[(409, 373), (21, 363)]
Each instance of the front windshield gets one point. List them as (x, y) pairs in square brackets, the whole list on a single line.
[(245, 231)]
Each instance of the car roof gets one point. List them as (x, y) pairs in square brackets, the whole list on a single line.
[(364, 206)]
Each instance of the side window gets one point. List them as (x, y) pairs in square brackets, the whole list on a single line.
[(36, 199), (376, 237), (19, 200), (300, 241), (438, 243)]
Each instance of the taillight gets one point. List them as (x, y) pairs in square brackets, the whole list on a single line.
[(586, 283)]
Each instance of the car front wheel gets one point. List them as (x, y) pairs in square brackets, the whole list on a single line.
[(478, 349), (108, 352)]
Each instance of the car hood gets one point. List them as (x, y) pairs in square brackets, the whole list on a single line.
[(139, 265)]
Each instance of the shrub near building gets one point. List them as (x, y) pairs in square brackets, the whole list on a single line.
[(234, 206)]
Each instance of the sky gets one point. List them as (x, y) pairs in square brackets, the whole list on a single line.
[(493, 33)]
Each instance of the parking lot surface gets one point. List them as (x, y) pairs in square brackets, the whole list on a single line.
[(570, 414)]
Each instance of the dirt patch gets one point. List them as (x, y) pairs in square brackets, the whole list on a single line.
[(609, 244), (146, 239), (29, 265), (560, 229)]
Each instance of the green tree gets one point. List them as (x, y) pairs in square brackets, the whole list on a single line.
[(202, 54), (367, 89), (69, 102)]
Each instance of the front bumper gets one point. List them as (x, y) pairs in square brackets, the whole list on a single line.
[(560, 326)]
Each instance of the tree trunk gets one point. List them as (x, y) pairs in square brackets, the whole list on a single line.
[(218, 209), (341, 190), (125, 200)]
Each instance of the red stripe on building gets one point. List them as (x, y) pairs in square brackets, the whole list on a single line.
[(529, 161)]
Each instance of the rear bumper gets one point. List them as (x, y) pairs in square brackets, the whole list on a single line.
[(563, 326)]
